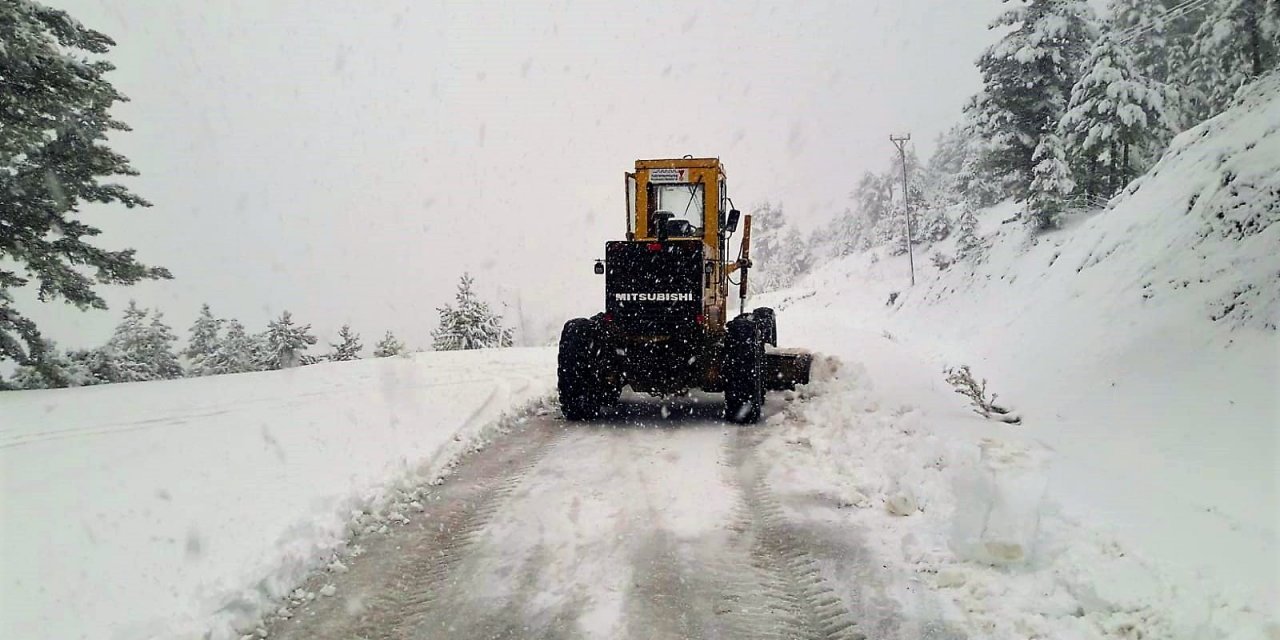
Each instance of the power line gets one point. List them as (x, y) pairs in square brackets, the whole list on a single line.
[(1177, 11)]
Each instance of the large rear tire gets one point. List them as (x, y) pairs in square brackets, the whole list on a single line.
[(743, 371), (768, 325), (580, 370)]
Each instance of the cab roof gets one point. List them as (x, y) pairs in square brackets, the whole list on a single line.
[(679, 163)]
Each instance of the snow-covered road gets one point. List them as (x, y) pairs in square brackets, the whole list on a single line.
[(652, 523)]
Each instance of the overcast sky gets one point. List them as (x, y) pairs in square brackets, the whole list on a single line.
[(348, 160)]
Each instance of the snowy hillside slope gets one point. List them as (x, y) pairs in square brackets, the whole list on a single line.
[(166, 509), (1139, 344)]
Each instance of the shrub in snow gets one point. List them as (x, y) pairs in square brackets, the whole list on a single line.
[(388, 346), (348, 346), (966, 385), (940, 261), (470, 324)]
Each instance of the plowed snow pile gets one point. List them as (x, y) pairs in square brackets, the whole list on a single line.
[(1139, 497), (169, 509)]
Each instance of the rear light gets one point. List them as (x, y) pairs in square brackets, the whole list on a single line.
[(699, 318), (608, 318), (654, 246)]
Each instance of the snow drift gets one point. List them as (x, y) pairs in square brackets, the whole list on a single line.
[(166, 509), (1140, 346)]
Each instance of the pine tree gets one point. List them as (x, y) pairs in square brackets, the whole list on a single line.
[(969, 245), (932, 224), (143, 348), (1116, 123), (160, 345), (1050, 185), (93, 366), (54, 124), (777, 250), (470, 324), (1027, 79), (1238, 41), (286, 342), (873, 197), (1145, 26), (204, 341), (348, 346), (237, 352), (56, 371), (388, 346)]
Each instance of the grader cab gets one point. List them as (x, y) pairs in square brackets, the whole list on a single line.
[(665, 328)]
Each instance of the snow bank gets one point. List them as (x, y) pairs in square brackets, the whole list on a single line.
[(166, 509), (1139, 345)]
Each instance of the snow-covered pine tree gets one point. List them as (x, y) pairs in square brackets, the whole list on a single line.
[(969, 245), (1144, 26), (1115, 125), (976, 182), (891, 231), (143, 348), (777, 249), (932, 223), (160, 345), (93, 366), (56, 371), (54, 123), (388, 346), (1050, 185), (1238, 41), (286, 342), (348, 346), (873, 197), (1027, 79), (205, 337), (842, 236), (237, 352), (469, 324)]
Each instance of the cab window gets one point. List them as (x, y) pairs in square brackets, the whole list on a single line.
[(685, 203)]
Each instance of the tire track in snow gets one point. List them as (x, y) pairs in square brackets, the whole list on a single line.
[(794, 600), (395, 591)]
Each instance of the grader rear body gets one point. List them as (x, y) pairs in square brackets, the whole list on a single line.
[(665, 328)]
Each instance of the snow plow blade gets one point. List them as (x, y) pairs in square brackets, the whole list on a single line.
[(785, 369)]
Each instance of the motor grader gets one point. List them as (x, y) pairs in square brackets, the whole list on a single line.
[(665, 328)]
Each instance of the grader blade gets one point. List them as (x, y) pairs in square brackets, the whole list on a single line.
[(783, 370)]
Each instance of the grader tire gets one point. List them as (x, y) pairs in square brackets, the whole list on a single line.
[(580, 378), (768, 325), (743, 371)]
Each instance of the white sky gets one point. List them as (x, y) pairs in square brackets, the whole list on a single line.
[(348, 160)]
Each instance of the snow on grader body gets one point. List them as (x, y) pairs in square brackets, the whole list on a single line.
[(666, 327)]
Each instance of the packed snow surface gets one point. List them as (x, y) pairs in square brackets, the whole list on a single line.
[(167, 509)]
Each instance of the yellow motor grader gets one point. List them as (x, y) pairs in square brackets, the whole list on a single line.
[(665, 328)]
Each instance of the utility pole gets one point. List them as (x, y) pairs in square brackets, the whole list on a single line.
[(901, 143)]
